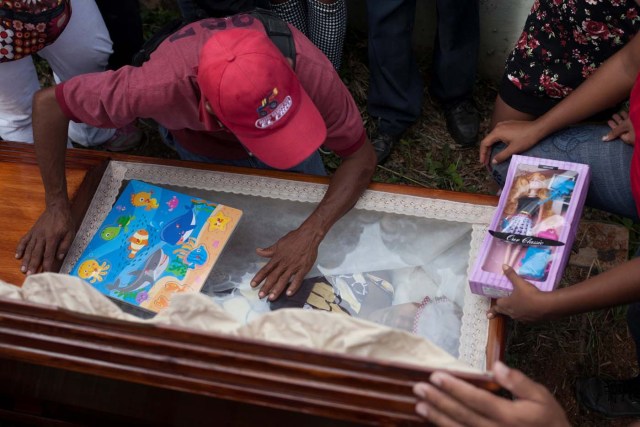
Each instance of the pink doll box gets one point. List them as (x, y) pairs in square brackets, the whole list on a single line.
[(534, 226)]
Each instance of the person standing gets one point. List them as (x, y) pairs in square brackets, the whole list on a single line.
[(82, 46), (396, 87), (324, 22)]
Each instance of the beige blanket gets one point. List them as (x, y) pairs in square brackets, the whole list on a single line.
[(296, 327)]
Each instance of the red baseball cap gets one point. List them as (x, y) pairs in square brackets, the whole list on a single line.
[(254, 92)]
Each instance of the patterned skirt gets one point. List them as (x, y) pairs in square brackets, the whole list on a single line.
[(519, 224)]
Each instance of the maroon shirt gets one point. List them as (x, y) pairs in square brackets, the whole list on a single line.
[(165, 89)]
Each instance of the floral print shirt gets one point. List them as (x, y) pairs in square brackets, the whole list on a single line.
[(26, 26), (565, 41)]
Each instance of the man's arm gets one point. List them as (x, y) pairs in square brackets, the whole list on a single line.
[(52, 234), (609, 85), (618, 286), (293, 255)]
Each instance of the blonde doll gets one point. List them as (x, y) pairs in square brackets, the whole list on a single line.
[(527, 205)]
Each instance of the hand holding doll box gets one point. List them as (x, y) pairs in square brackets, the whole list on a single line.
[(534, 226)]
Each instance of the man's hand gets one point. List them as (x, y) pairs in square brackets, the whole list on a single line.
[(49, 239), (621, 127), (450, 401), (291, 259), (526, 303), (519, 136)]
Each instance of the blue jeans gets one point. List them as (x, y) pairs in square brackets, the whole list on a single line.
[(312, 165), (610, 163)]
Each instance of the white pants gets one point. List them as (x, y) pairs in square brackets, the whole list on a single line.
[(83, 47)]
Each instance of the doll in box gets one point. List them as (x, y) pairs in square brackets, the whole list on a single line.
[(527, 205)]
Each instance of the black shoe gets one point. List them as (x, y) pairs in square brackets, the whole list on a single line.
[(611, 398), (382, 144), (463, 123)]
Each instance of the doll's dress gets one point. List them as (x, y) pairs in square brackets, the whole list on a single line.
[(522, 223)]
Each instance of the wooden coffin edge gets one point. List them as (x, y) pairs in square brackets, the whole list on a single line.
[(248, 371)]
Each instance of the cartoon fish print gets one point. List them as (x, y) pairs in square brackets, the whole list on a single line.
[(197, 257), (161, 302), (218, 222), (110, 233), (153, 268), (173, 203), (139, 240), (121, 208), (92, 270), (143, 198), (178, 230), (124, 221)]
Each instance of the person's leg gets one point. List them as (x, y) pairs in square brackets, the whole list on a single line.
[(327, 27), (633, 322), (610, 397), (292, 11), (19, 83), (455, 61), (83, 47), (122, 18), (455, 56), (609, 162), (190, 10), (395, 85), (502, 112)]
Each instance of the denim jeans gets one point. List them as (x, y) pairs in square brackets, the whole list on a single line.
[(312, 165), (610, 163)]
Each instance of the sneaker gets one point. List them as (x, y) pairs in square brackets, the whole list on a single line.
[(463, 123), (611, 398), (125, 138)]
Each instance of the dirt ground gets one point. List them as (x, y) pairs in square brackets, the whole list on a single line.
[(554, 353)]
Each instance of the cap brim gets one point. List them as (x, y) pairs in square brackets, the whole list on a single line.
[(293, 143)]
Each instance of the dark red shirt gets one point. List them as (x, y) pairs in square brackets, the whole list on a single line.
[(165, 89)]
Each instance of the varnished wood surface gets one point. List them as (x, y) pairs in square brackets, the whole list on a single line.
[(235, 373), (21, 203), (342, 387)]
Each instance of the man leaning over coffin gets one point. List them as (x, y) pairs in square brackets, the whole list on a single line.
[(221, 93)]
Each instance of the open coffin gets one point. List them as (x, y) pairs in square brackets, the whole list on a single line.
[(409, 238)]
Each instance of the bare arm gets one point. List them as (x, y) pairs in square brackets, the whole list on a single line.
[(51, 235), (293, 256), (618, 286), (609, 85)]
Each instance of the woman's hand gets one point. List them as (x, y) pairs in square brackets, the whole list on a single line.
[(621, 127), (526, 303), (519, 136)]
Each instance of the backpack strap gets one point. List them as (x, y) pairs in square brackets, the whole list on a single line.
[(278, 31), (149, 46)]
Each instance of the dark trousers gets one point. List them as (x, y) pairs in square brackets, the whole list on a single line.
[(193, 10), (122, 18), (633, 322), (395, 87)]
